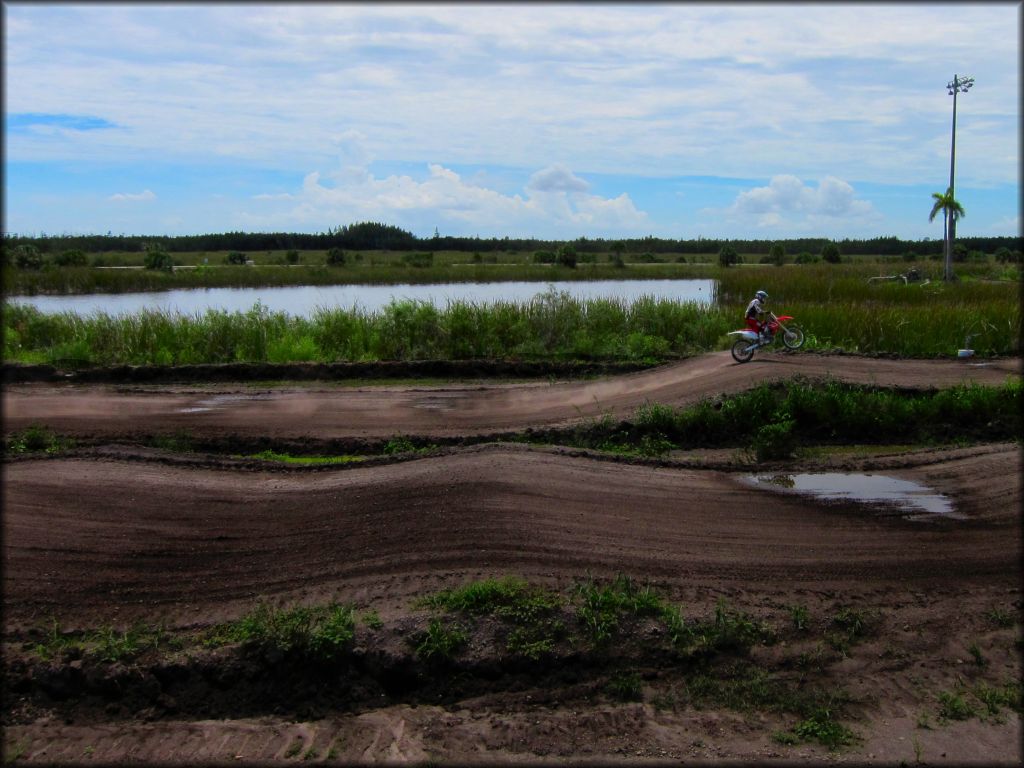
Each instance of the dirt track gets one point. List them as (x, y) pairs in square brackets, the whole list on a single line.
[(122, 535), (330, 412)]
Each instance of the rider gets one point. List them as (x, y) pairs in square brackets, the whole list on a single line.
[(755, 311)]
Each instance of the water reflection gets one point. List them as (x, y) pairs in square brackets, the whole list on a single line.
[(862, 488), (303, 300)]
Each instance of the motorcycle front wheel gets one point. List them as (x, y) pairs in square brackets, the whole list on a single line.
[(793, 337), (742, 351)]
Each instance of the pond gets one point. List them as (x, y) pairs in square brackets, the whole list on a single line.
[(304, 300)]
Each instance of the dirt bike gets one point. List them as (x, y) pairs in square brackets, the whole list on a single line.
[(748, 341)]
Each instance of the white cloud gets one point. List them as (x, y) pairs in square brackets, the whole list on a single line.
[(670, 90), (554, 204), (143, 196), (557, 178), (789, 201)]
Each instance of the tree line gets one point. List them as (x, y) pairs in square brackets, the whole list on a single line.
[(377, 236)]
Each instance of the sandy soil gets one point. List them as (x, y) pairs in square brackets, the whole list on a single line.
[(125, 533), (330, 412)]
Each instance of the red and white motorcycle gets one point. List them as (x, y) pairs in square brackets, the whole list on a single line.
[(748, 341)]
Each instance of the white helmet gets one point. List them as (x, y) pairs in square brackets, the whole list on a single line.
[(761, 295)]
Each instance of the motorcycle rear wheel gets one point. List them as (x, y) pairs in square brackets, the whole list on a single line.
[(793, 337), (742, 351)]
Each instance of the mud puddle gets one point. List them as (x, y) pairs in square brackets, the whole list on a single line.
[(910, 499)]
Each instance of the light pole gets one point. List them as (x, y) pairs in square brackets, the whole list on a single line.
[(955, 86)]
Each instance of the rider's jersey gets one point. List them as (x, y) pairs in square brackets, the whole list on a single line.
[(754, 309)]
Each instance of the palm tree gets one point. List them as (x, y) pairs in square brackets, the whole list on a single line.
[(951, 212)]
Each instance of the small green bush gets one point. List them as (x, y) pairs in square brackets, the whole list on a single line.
[(158, 260), (440, 641), (71, 258), (27, 257), (774, 441)]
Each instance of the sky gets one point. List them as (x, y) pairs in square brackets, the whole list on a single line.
[(554, 121)]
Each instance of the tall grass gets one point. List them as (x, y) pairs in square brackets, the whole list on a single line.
[(554, 325), (834, 411), (837, 309)]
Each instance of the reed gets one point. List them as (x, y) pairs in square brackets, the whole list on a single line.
[(836, 309)]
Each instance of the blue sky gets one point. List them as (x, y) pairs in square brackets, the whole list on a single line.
[(546, 120)]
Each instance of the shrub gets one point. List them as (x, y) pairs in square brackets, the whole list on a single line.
[(292, 257), (830, 253), (566, 256), (71, 258), (805, 258), (236, 257), (777, 254), (728, 256), (158, 259), (774, 441), (27, 256), (336, 257), (543, 257)]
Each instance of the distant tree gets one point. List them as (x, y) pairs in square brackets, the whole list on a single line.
[(156, 258), (952, 211), (236, 257), (830, 253), (1004, 255), (71, 258), (566, 256), (27, 256), (727, 256), (777, 254), (335, 257)]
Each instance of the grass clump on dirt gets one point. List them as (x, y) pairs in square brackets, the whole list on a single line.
[(319, 632), (440, 641), (774, 421), (36, 439), (980, 700), (529, 612), (107, 643), (287, 458)]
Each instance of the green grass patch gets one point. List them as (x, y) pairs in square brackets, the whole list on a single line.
[(106, 643), (318, 632), (530, 611), (287, 458), (440, 642), (36, 438), (776, 421)]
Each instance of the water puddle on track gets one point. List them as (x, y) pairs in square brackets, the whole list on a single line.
[(879, 492), (219, 401)]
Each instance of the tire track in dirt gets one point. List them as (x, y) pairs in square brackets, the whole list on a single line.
[(91, 541), (447, 411)]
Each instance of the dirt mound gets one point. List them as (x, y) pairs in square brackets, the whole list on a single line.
[(907, 618)]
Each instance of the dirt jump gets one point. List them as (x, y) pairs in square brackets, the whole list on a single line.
[(115, 533)]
